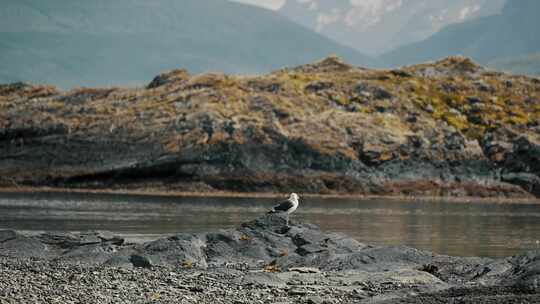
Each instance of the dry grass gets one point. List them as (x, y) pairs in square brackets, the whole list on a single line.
[(320, 104)]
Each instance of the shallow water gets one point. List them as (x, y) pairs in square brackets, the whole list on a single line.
[(463, 229)]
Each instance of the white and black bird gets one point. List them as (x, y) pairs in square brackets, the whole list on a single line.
[(288, 206)]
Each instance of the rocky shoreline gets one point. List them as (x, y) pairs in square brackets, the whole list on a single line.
[(447, 128), (32, 281), (229, 194), (263, 261)]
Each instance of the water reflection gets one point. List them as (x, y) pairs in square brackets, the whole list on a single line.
[(457, 229)]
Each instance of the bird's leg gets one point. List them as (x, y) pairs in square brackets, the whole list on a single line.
[(287, 221)]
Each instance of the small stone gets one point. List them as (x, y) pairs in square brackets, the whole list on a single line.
[(140, 261), (299, 292), (315, 300), (305, 269), (196, 289)]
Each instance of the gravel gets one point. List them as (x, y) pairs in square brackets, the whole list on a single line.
[(34, 281), (37, 281)]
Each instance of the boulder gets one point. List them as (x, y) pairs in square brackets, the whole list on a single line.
[(181, 249), (369, 90), (179, 75), (19, 246), (7, 235), (526, 274)]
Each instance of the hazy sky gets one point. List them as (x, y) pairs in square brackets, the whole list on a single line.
[(271, 4)]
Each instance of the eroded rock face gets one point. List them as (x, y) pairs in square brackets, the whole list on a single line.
[(444, 128), (518, 157)]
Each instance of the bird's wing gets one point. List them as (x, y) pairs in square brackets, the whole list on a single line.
[(284, 206)]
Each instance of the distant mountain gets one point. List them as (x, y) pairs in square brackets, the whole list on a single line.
[(512, 33), (102, 42), (380, 25), (528, 64)]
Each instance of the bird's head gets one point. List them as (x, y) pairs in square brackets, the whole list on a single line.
[(294, 196)]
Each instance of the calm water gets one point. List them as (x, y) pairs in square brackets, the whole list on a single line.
[(480, 229)]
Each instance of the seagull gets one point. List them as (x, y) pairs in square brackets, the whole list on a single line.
[(288, 206)]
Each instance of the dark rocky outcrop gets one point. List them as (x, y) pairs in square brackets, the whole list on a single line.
[(518, 157), (267, 243), (449, 128)]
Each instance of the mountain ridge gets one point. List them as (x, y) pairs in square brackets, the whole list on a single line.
[(486, 39), (377, 26), (71, 43)]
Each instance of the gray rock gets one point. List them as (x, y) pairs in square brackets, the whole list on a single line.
[(317, 86), (473, 99), (122, 261), (25, 247), (183, 249), (108, 237), (316, 300), (526, 274), (68, 240), (88, 254), (368, 90), (530, 182), (299, 292), (275, 222), (6, 235), (168, 78), (305, 269), (140, 261)]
